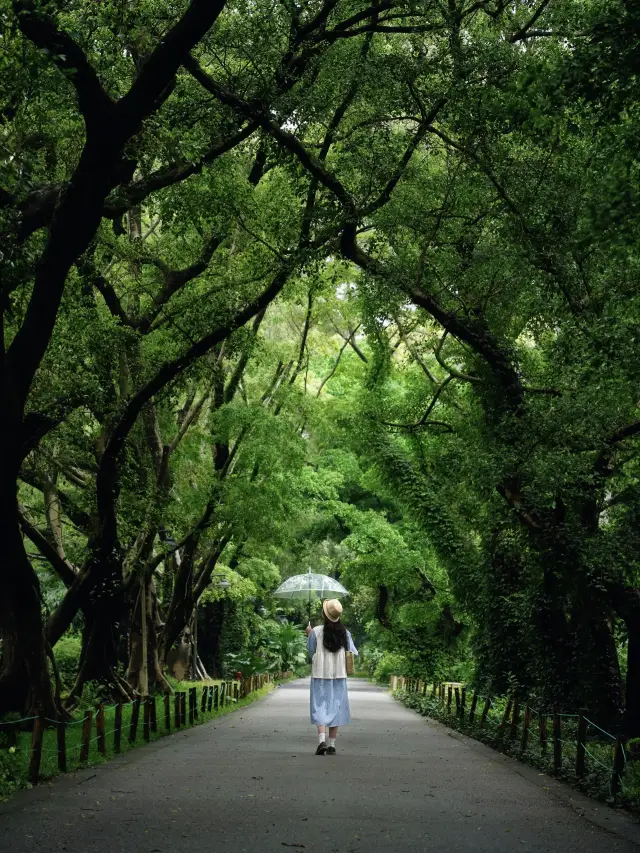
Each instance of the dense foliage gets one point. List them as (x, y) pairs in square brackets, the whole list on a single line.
[(321, 284)]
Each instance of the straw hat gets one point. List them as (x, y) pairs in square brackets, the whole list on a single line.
[(332, 609)]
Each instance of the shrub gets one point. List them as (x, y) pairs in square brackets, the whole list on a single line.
[(67, 654), (390, 663)]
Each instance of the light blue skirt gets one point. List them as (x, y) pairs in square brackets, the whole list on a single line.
[(329, 702)]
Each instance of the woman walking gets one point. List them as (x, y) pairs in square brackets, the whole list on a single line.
[(328, 645)]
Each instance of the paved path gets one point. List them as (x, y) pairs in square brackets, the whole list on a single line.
[(250, 782)]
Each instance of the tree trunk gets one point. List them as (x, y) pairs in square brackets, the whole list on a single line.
[(25, 685), (596, 661), (144, 647), (212, 617), (155, 676), (103, 618), (627, 604), (181, 604)]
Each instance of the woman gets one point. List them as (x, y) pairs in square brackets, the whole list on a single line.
[(329, 698)]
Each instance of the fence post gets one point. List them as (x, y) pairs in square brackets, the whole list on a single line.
[(433, 692), (86, 737), (457, 692), (618, 767), (167, 712), (485, 712), (542, 724), (425, 687), (177, 712), (153, 716), (146, 712), (515, 719), (203, 701), (525, 729), (210, 698), (223, 694), (135, 715), (505, 717), (117, 728), (102, 747), (183, 708), (36, 748), (236, 690), (449, 697), (61, 737), (191, 709), (582, 742), (216, 697), (557, 743), (463, 702), (474, 704)]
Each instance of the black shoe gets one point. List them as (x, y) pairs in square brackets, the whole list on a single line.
[(331, 750), (322, 748)]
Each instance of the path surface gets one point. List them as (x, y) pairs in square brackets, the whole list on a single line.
[(250, 782)]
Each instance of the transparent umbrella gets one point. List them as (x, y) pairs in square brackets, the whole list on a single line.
[(310, 587)]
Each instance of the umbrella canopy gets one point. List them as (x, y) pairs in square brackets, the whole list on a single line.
[(309, 587)]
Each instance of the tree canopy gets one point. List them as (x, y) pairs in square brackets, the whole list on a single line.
[(334, 284)]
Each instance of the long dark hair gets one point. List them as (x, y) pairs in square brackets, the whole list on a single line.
[(334, 636)]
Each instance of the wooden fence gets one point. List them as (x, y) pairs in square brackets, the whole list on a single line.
[(518, 721), (188, 708)]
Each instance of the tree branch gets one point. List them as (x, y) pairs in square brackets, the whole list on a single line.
[(624, 432), (417, 138), (37, 209), (472, 331), (168, 176), (160, 68), (334, 35), (464, 377), (303, 339), (290, 142), (95, 105), (333, 369), (424, 420), (62, 567), (414, 353), (524, 31)]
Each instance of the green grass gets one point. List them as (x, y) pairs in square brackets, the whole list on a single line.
[(14, 761)]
